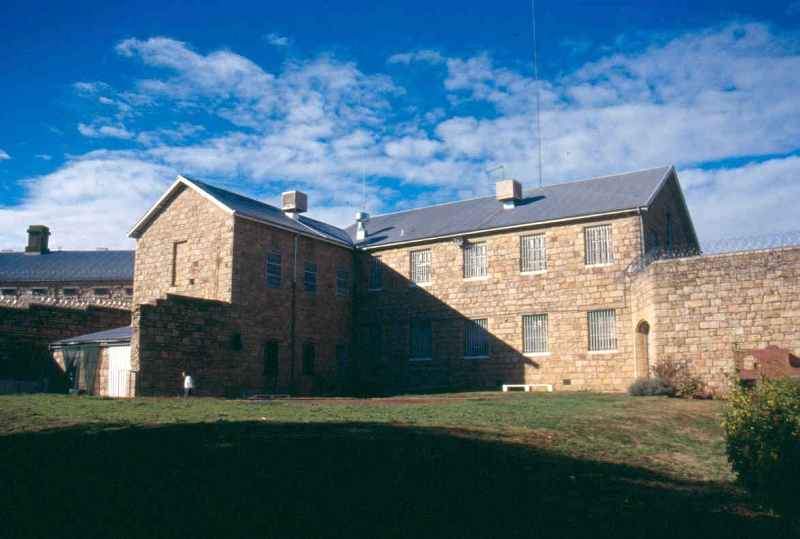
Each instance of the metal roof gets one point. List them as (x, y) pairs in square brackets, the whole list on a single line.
[(249, 208), (67, 266), (563, 201), (122, 334)]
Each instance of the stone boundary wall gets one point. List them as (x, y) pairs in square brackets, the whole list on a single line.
[(701, 310), (26, 332)]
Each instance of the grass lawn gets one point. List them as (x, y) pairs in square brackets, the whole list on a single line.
[(475, 465)]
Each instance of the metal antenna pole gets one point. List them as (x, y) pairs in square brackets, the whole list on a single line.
[(536, 75)]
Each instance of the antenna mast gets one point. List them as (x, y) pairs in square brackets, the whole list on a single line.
[(536, 75)]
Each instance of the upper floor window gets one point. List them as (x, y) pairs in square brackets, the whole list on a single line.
[(8, 292), (128, 291), (421, 266), (476, 338), (376, 274), (532, 253), (274, 266), (534, 334), (310, 277), (39, 291), (71, 292), (475, 260), (101, 292), (598, 245), (603, 331), (342, 283), (421, 345)]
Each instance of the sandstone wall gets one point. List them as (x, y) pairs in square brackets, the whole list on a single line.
[(566, 291)]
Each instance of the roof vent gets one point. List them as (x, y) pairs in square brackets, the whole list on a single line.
[(294, 203), (37, 240), (509, 192), (361, 227)]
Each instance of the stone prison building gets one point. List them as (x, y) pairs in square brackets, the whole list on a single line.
[(548, 287)]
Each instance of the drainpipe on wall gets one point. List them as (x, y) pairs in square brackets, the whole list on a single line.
[(641, 231), (292, 319)]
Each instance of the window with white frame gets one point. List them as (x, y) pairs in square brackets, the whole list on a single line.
[(342, 283), (475, 260), (476, 338), (421, 346), (376, 274), (274, 265), (534, 334), (310, 277), (603, 331), (532, 253), (421, 266), (598, 245)]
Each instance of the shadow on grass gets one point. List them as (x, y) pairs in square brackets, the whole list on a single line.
[(337, 480)]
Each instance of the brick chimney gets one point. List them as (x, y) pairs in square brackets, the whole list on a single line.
[(509, 192), (37, 240), (294, 203)]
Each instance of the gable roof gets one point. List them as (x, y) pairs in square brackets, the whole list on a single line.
[(248, 208), (564, 201), (122, 334), (67, 266)]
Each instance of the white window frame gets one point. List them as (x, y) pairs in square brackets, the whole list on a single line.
[(602, 331), (420, 267), (421, 341), (342, 283), (599, 245), (274, 269), (476, 338), (376, 274), (533, 253), (535, 335), (310, 277), (475, 260)]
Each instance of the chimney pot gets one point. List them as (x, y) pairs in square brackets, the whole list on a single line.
[(37, 240)]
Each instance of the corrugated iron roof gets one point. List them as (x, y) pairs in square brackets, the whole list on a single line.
[(583, 198), (78, 266), (110, 335)]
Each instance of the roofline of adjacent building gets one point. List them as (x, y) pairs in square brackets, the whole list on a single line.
[(502, 229), (183, 180)]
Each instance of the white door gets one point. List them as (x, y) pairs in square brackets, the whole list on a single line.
[(119, 370)]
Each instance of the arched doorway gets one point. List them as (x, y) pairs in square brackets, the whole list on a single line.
[(643, 350)]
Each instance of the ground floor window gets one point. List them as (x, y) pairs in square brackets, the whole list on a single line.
[(476, 338), (309, 351), (271, 358), (603, 331), (421, 346), (534, 334)]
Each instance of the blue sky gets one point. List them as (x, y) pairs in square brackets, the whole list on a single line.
[(103, 104)]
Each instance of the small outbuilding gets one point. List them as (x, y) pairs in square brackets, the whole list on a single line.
[(98, 363)]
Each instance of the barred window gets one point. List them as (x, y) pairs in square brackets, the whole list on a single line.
[(598, 245), (102, 292), (376, 274), (72, 292), (603, 331), (534, 334), (421, 347), (342, 283), (421, 266), (43, 291), (475, 260), (533, 254), (270, 358), (7, 292), (476, 338), (310, 277), (274, 265), (309, 351)]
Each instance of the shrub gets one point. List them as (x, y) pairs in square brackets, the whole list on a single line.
[(650, 387), (762, 430), (678, 374)]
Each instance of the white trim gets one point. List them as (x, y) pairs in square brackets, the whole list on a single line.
[(537, 272), (535, 354), (472, 279), (595, 352), (420, 358)]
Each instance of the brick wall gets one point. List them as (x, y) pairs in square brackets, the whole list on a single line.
[(702, 309), (566, 292)]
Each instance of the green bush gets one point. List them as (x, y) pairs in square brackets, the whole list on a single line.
[(651, 387), (762, 430)]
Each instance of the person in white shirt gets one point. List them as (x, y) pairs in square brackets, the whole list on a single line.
[(188, 384)]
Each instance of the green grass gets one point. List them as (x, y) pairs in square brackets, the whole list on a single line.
[(477, 465)]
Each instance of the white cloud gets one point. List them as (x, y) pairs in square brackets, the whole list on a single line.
[(277, 40), (110, 131), (4, 155)]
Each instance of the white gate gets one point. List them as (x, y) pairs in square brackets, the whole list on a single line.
[(119, 371)]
